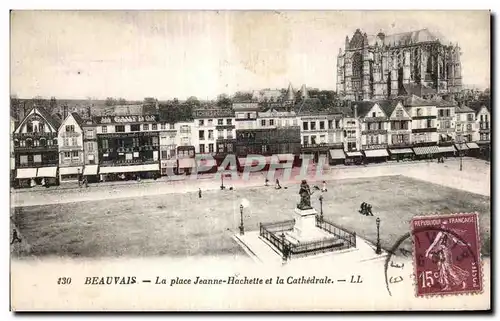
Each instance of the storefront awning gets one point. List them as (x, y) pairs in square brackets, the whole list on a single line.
[(206, 162), (461, 146), (247, 161), (354, 154), (90, 169), (285, 157), (337, 154), (472, 145), (426, 150), (26, 173), (187, 163), (70, 170), (169, 163), (128, 169), (47, 172), (401, 151), (376, 153), (447, 149)]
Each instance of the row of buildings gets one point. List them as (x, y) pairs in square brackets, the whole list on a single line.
[(47, 149)]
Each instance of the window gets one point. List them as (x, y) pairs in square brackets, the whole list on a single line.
[(470, 117), (172, 126), (23, 159), (30, 158), (210, 148), (399, 113), (278, 123), (448, 113), (313, 140), (374, 114), (202, 148), (155, 140), (67, 155), (351, 146), (429, 123), (165, 154), (89, 133), (330, 124), (229, 122), (419, 112), (54, 141), (145, 127), (29, 143), (90, 146), (469, 127), (201, 122), (162, 126), (447, 124), (70, 128), (322, 139), (104, 129), (295, 122), (29, 127), (74, 154), (264, 148), (321, 125), (271, 122), (41, 127), (105, 144), (220, 133), (135, 128), (210, 122), (229, 134), (306, 140), (210, 134), (263, 122), (249, 115), (201, 135), (43, 142), (313, 125), (337, 123), (441, 113), (37, 158), (66, 141), (154, 126)]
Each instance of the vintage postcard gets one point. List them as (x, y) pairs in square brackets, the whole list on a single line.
[(250, 160)]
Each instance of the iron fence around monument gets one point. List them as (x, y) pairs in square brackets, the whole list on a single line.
[(272, 232), (348, 237)]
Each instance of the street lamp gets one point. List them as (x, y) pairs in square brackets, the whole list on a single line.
[(461, 152), (222, 180), (78, 169), (321, 207), (242, 228), (379, 250)]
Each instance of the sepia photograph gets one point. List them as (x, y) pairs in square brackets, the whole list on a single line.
[(224, 160)]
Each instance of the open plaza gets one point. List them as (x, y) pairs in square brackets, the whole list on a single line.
[(170, 218)]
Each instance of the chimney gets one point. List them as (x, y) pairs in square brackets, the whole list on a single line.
[(355, 111), (65, 112)]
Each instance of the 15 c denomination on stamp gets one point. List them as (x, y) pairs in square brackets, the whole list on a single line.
[(446, 254)]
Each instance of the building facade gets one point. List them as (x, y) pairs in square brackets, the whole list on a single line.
[(465, 124), (70, 142), (90, 150), (168, 148), (36, 148), (128, 146), (377, 66), (245, 114), (446, 122)]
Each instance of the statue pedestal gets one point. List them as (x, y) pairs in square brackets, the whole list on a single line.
[(305, 222)]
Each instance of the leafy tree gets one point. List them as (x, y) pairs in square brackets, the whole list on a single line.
[(193, 101), (224, 101), (242, 96), (110, 101), (122, 101)]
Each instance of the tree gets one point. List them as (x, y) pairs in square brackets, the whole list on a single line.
[(224, 101), (53, 103), (242, 96), (193, 101), (110, 101), (122, 101)]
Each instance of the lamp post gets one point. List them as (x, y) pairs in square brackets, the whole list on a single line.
[(242, 228), (378, 250), (461, 152), (222, 180), (78, 169), (321, 207)]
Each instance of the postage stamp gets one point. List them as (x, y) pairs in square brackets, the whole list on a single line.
[(446, 254)]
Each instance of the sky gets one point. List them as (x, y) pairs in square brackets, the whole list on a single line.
[(177, 54)]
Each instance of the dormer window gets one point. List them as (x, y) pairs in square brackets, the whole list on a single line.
[(374, 114)]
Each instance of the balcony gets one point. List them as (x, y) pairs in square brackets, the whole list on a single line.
[(35, 135), (375, 119), (374, 131), (424, 117), (225, 127), (46, 163), (127, 162), (406, 144), (424, 130), (374, 146), (400, 131), (69, 148), (335, 130), (321, 147), (484, 127), (51, 148)]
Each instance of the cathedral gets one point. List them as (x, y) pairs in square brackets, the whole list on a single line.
[(386, 66)]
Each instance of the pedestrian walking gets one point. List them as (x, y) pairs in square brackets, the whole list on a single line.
[(267, 182), (15, 237), (86, 181), (278, 186), (369, 210), (199, 192), (324, 187)]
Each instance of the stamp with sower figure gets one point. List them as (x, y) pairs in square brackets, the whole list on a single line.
[(446, 254)]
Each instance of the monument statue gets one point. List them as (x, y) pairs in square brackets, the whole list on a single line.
[(305, 196)]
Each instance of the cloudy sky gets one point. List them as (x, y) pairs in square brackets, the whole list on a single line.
[(168, 54)]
